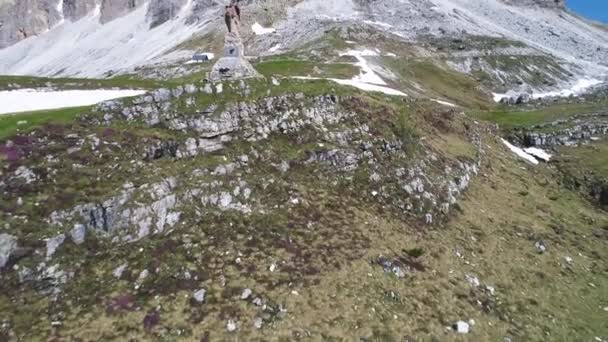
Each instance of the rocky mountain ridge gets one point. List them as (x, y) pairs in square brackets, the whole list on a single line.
[(23, 19)]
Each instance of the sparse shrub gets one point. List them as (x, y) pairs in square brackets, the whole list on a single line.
[(415, 252), (406, 133)]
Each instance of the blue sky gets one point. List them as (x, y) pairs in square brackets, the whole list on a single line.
[(594, 9)]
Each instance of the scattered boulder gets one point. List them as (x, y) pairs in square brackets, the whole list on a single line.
[(540, 247), (473, 280), (199, 295), (53, 243), (461, 327), (118, 271), (8, 245), (231, 326), (25, 174), (246, 294), (258, 322), (516, 98), (78, 234), (162, 95)]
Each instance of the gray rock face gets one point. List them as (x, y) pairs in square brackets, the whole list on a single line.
[(53, 243), (8, 245), (76, 9), (20, 19), (199, 8), (161, 11), (78, 234), (199, 295), (112, 9), (24, 18), (579, 129), (113, 214)]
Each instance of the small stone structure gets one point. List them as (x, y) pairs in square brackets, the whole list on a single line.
[(233, 64)]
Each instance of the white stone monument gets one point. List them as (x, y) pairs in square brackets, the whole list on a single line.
[(233, 64)]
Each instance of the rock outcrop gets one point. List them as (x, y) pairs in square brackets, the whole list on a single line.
[(8, 245), (112, 9), (573, 131), (160, 11), (540, 3), (76, 9), (24, 18)]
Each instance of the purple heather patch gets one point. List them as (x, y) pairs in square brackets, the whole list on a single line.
[(124, 302), (151, 320), (11, 153), (107, 132)]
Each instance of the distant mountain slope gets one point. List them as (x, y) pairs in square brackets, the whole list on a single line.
[(121, 35)]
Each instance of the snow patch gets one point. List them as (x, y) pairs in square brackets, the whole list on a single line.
[(367, 74), (260, 30), (577, 88), (369, 87), (368, 79), (358, 84), (27, 100), (445, 103), (520, 153), (275, 48), (538, 153)]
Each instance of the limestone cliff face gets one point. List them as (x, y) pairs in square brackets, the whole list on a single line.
[(76, 9), (160, 11), (112, 9), (20, 19), (24, 18)]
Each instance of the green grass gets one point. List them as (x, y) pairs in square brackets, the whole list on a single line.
[(9, 123), (292, 67), (591, 157), (513, 118), (440, 82)]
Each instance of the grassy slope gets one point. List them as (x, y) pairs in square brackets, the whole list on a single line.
[(11, 124), (538, 296), (439, 82), (592, 157), (293, 67), (510, 117)]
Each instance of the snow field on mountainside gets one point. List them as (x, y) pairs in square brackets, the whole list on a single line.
[(368, 79), (27, 100), (531, 155), (574, 89)]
